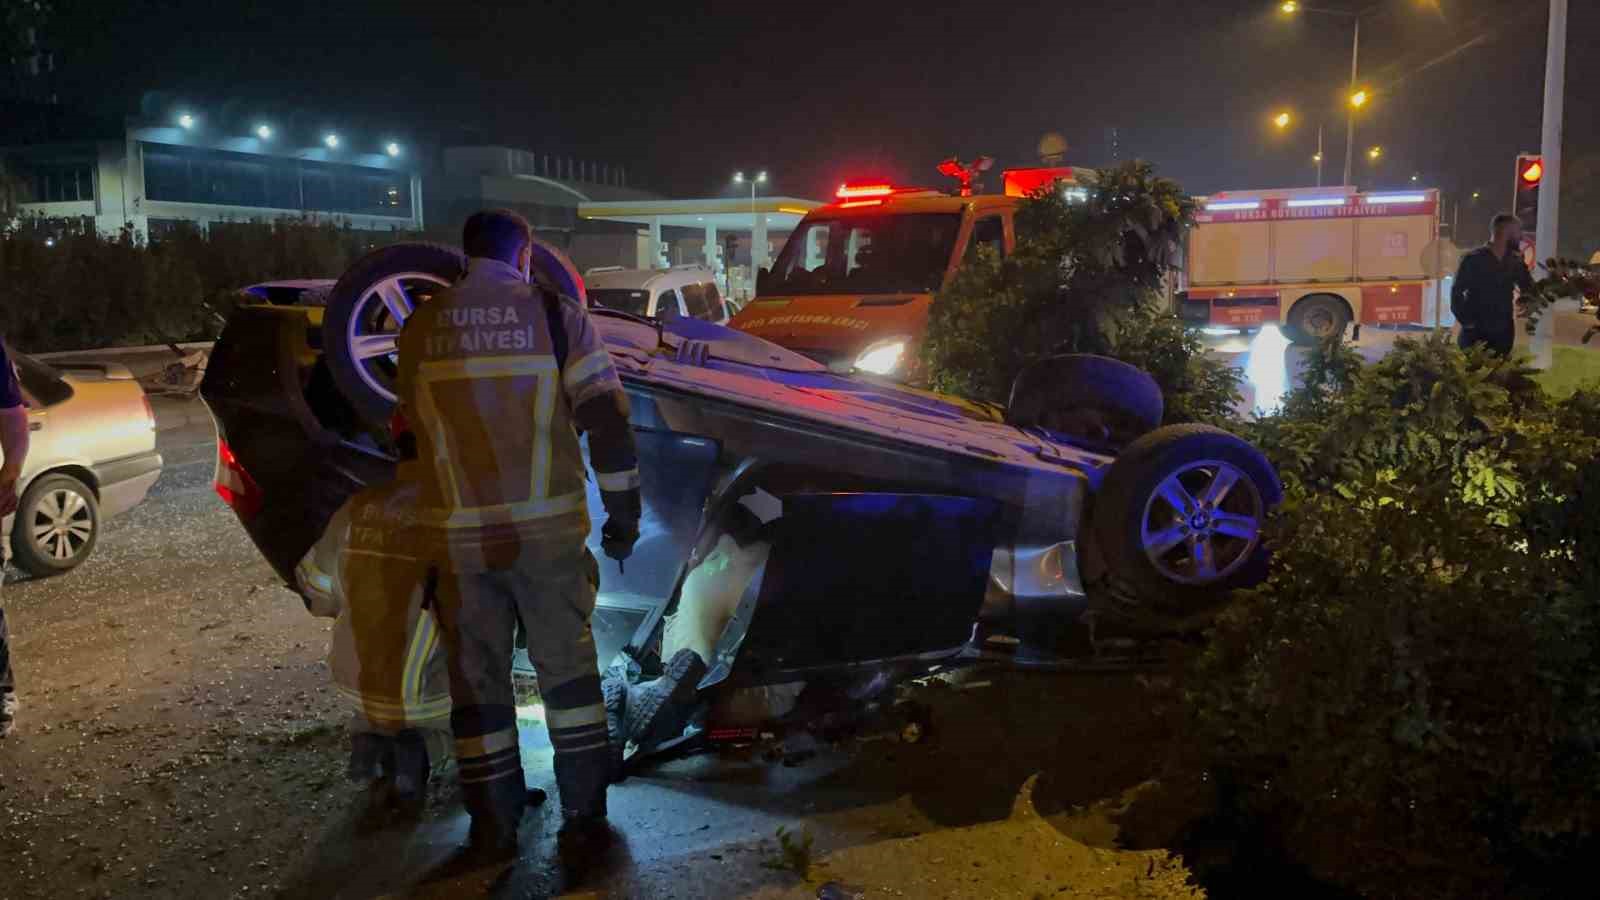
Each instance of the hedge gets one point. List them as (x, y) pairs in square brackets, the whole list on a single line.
[(61, 290)]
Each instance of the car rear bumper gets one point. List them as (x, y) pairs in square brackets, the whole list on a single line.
[(125, 482)]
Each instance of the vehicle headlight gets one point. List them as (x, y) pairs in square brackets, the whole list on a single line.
[(882, 357)]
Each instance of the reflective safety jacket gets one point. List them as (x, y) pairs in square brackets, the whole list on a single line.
[(497, 378), (371, 571)]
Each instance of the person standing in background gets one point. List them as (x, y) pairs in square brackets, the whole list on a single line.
[(13, 450), (1483, 294)]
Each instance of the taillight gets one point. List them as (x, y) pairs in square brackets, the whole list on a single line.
[(234, 485)]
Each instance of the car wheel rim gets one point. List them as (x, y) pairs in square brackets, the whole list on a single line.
[(62, 525), (1202, 522), (375, 326)]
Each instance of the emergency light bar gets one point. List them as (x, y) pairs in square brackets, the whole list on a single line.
[(1394, 198), (858, 191), (1225, 205), (1318, 201)]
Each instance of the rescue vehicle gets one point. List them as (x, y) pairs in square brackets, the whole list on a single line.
[(853, 284), (1314, 260)]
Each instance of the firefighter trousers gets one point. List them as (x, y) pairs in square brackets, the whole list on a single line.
[(477, 612)]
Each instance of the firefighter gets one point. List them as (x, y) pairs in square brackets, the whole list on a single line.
[(371, 572), (497, 377)]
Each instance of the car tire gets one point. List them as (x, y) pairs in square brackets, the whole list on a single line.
[(1317, 318), (1126, 398), (68, 505), (353, 311), (1156, 574)]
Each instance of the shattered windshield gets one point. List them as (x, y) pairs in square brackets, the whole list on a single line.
[(886, 254)]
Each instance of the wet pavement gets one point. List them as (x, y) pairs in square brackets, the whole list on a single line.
[(179, 738)]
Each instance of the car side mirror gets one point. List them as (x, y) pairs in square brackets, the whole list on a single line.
[(763, 279)]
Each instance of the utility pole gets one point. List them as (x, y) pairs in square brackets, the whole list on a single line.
[(1318, 157), (1350, 109), (1548, 236)]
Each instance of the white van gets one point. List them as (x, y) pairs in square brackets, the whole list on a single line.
[(658, 293)]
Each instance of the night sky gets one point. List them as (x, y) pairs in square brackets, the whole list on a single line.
[(684, 94)]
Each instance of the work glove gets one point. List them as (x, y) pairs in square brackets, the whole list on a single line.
[(618, 536)]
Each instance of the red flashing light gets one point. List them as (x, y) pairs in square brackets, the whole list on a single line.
[(1533, 171), (853, 191), (234, 485), (1022, 182)]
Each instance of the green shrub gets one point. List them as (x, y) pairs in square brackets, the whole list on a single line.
[(60, 290), (1411, 703), (1084, 278)]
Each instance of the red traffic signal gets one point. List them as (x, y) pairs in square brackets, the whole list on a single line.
[(1525, 196)]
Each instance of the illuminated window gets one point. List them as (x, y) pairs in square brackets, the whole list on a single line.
[(199, 175)]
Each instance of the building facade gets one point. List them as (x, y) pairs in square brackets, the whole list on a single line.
[(154, 177)]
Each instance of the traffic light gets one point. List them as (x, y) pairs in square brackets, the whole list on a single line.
[(1525, 205)]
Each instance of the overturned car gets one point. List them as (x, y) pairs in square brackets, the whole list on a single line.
[(814, 537)]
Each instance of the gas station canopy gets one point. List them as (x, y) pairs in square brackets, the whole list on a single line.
[(721, 213)]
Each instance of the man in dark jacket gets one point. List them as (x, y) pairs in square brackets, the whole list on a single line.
[(1481, 299), (13, 450)]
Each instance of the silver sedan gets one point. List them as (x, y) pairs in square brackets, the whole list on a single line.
[(92, 455)]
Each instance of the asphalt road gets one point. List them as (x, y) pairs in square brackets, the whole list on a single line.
[(179, 738)]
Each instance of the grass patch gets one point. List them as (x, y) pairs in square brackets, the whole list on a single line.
[(1570, 368)]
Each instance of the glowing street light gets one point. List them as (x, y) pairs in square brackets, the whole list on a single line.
[(332, 140), (1290, 7), (392, 148), (1375, 153), (264, 132), (761, 178), (1415, 178), (186, 121), (1282, 120)]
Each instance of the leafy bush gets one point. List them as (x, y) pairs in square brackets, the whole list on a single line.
[(62, 290), (1084, 278), (1411, 703)]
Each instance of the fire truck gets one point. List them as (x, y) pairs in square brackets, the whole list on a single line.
[(1315, 260), (853, 284)]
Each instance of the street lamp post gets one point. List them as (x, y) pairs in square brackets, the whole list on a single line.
[(1283, 119), (761, 178), (1318, 157), (1357, 97), (758, 231)]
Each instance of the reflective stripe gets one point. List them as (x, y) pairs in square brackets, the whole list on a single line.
[(593, 714), (586, 368), (434, 418), (504, 739), (504, 513), (391, 710), (618, 481), (313, 580), (423, 640)]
